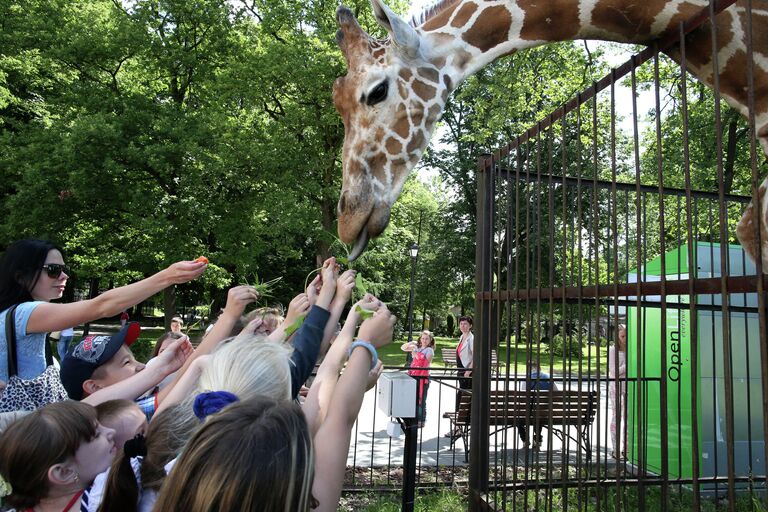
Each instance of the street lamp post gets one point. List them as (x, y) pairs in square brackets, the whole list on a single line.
[(414, 250), (410, 424)]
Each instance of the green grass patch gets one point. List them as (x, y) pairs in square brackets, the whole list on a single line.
[(391, 355), (444, 500)]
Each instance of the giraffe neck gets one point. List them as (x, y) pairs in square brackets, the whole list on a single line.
[(468, 35)]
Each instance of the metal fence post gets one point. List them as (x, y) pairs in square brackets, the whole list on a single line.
[(479, 441)]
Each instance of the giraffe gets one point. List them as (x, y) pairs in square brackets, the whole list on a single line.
[(395, 89)]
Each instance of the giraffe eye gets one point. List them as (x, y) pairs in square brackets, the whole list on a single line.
[(378, 94)]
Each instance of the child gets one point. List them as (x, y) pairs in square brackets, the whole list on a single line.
[(98, 362), (273, 439), (52, 455), (423, 352), (271, 319), (177, 324), (124, 417)]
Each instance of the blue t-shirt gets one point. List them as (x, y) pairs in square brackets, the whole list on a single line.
[(30, 348), (540, 381)]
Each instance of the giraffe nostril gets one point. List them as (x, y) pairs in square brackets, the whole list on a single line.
[(343, 202)]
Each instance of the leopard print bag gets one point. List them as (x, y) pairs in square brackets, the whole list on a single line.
[(28, 395)]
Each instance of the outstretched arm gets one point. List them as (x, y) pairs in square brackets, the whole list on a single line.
[(131, 388), (332, 438), (237, 298), (299, 306), (345, 284), (306, 342), (48, 317), (185, 385), (319, 396)]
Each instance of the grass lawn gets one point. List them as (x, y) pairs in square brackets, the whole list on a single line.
[(391, 355)]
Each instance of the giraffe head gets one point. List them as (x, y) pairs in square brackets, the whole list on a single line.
[(390, 100)]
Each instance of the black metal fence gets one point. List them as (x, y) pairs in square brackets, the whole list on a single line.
[(585, 235), (376, 457)]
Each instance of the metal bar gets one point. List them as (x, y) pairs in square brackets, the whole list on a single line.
[(636, 187), (726, 328), (762, 295), (638, 264), (478, 456), (694, 319), (701, 286)]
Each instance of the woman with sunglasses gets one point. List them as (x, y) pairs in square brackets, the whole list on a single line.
[(32, 273)]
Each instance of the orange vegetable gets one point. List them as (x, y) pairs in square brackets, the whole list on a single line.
[(202, 259)]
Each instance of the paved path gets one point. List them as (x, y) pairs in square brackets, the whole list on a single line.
[(371, 445)]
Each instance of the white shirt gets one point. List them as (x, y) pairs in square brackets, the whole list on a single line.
[(466, 350)]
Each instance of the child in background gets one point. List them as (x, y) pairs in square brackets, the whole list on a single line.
[(422, 354), (271, 318), (177, 324)]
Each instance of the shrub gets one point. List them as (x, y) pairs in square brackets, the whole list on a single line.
[(565, 346), (142, 349)]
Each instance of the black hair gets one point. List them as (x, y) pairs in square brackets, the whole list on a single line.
[(467, 319), (20, 269)]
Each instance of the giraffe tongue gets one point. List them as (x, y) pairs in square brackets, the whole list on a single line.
[(360, 245)]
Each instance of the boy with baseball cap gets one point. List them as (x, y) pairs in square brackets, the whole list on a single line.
[(100, 361)]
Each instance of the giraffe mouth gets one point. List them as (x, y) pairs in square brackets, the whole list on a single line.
[(360, 244)]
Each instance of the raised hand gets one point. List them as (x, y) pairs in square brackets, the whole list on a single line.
[(345, 284), (238, 298), (328, 276), (184, 271), (251, 328), (299, 306), (313, 290), (379, 328), (173, 357), (368, 303)]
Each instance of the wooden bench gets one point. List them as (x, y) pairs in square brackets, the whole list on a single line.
[(554, 410), (449, 358)]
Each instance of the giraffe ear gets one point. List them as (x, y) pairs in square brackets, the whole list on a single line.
[(403, 35)]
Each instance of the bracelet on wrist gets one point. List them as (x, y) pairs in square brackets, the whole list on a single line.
[(367, 345)]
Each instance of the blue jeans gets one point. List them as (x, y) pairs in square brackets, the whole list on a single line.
[(63, 345)]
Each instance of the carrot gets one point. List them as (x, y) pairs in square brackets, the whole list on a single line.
[(202, 259)]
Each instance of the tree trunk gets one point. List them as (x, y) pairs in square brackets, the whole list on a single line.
[(93, 291), (169, 305)]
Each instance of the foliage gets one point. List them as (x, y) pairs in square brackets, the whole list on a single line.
[(142, 348), (444, 500), (627, 498), (142, 133), (565, 346)]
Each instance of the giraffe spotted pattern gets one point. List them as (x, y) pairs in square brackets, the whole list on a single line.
[(421, 65)]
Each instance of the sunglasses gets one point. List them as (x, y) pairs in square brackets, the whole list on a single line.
[(54, 270)]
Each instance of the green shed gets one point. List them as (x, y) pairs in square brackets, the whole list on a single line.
[(654, 355)]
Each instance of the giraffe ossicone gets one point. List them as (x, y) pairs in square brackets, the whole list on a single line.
[(395, 89)]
